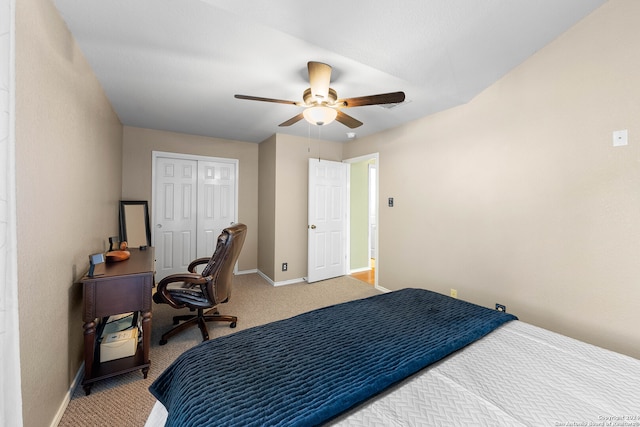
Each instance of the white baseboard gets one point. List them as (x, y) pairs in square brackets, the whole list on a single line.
[(67, 398), (290, 282), (255, 270), (285, 282)]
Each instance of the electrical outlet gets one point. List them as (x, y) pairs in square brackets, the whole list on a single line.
[(501, 308), (285, 266), (454, 293)]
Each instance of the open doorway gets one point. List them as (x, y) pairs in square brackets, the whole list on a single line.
[(363, 218)]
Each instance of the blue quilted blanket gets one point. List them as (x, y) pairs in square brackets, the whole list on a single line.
[(304, 370)]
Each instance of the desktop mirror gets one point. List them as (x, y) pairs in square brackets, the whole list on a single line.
[(134, 223)]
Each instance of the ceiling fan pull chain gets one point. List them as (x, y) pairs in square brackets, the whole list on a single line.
[(319, 138)]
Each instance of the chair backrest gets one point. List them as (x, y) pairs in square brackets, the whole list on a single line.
[(221, 264)]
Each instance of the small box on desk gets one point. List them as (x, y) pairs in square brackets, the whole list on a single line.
[(118, 345)]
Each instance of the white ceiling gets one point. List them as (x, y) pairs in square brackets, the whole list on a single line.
[(175, 65)]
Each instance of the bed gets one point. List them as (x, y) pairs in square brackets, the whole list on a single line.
[(409, 357)]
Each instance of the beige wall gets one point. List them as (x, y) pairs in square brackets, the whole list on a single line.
[(283, 202), (292, 166), (138, 146), (359, 215), (68, 172), (519, 197), (267, 207)]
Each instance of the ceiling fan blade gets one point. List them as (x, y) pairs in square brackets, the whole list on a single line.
[(319, 79), (257, 98), (347, 120), (384, 98), (292, 120)]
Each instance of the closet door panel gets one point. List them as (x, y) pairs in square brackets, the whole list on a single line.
[(216, 210), (175, 215), (194, 200)]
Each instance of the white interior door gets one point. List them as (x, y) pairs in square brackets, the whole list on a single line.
[(175, 216), (217, 201), (195, 198), (327, 220)]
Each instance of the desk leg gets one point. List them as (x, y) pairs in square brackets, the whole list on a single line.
[(146, 340), (89, 351)]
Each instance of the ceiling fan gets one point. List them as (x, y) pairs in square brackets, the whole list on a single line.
[(321, 103)]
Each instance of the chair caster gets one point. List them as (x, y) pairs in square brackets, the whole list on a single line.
[(163, 342), (232, 325)]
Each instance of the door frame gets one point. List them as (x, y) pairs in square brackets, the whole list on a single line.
[(9, 316), (359, 159), (196, 157), (372, 167)]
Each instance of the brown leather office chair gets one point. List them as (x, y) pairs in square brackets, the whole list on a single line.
[(202, 291)]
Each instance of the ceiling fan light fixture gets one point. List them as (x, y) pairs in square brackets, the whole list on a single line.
[(319, 116), (319, 77), (321, 104), (318, 100)]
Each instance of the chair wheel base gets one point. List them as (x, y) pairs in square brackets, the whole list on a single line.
[(232, 325), (163, 342)]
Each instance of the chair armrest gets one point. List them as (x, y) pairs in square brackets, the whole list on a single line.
[(192, 278), (197, 262)]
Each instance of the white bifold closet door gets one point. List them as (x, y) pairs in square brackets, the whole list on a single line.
[(194, 200)]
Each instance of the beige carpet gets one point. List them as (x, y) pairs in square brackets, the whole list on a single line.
[(125, 400)]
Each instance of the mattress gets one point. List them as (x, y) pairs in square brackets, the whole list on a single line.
[(518, 375), (309, 368)]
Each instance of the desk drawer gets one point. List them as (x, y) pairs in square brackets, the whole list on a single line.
[(122, 295)]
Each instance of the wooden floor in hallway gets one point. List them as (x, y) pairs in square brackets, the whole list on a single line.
[(368, 276)]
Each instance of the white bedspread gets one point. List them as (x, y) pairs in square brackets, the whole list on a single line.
[(518, 375)]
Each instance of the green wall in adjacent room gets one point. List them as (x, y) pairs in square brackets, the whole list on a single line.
[(359, 219)]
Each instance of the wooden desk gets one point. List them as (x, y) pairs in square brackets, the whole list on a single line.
[(115, 288)]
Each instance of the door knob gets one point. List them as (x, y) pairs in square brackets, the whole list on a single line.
[(159, 225), (313, 227)]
